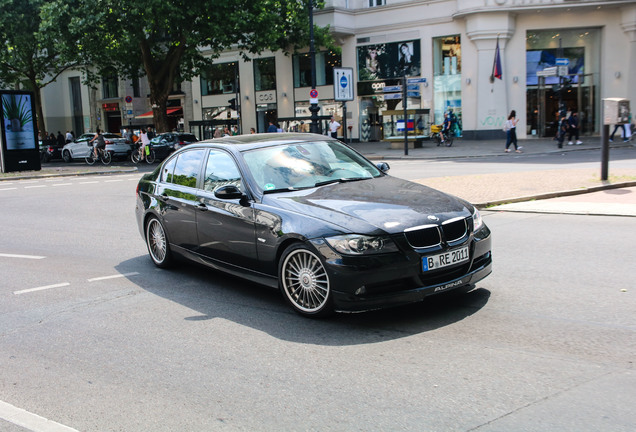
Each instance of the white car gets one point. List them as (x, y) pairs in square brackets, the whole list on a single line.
[(78, 149)]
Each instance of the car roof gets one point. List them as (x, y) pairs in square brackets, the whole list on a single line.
[(253, 141)]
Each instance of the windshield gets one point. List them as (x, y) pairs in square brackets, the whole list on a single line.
[(303, 165)]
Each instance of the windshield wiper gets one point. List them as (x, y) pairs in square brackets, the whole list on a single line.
[(340, 180), (287, 189)]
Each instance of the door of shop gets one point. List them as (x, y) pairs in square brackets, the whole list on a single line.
[(543, 105)]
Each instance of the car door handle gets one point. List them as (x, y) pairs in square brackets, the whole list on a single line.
[(202, 207), (163, 197)]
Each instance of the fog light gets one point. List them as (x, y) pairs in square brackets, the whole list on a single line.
[(361, 290)]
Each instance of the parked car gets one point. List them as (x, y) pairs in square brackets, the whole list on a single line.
[(78, 149), (311, 216), (50, 150), (165, 143)]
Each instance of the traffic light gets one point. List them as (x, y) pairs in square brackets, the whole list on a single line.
[(232, 104)]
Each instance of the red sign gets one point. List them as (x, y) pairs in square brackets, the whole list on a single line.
[(313, 93), (128, 99), (110, 107)]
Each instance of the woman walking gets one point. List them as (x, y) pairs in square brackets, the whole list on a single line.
[(511, 132)]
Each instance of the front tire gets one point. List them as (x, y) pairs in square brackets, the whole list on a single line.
[(157, 243), (67, 156), (304, 282), (106, 158)]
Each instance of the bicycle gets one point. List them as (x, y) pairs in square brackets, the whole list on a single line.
[(136, 155), (102, 155), (437, 135)]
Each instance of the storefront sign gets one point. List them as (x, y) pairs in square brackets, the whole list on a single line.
[(265, 97), (110, 107)]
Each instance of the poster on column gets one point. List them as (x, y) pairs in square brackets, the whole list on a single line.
[(19, 150)]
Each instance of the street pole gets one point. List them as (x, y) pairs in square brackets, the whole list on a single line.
[(406, 132), (604, 145), (313, 108)]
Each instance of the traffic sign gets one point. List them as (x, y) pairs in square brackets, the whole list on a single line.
[(313, 93), (415, 80), (128, 99), (390, 89), (343, 84), (562, 62), (393, 96)]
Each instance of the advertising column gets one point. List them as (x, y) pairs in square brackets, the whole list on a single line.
[(20, 148)]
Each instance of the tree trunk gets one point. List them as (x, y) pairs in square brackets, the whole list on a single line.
[(159, 112), (39, 112)]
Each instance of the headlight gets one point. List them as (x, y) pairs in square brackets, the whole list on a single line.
[(357, 244), (478, 222)]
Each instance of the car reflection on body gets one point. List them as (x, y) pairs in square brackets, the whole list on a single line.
[(166, 143), (312, 217)]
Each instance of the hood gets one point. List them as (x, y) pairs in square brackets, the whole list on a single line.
[(384, 204)]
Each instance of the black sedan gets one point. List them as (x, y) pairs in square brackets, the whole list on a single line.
[(166, 143), (311, 216)]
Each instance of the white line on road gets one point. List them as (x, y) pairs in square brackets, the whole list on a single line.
[(89, 182), (112, 277), (62, 184), (8, 189), (30, 421), (36, 186), (42, 288), (21, 256), (113, 181)]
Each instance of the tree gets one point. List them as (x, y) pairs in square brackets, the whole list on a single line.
[(29, 55), (165, 40)]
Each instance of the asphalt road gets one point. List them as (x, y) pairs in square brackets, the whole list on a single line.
[(94, 338)]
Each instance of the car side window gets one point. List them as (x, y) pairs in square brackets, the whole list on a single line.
[(221, 170), (187, 168), (168, 170)]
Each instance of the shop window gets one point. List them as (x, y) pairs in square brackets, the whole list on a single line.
[(326, 61), (220, 78), (389, 60), (447, 82), (264, 74), (110, 84), (373, 3)]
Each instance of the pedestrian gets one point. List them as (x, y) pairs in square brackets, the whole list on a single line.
[(562, 130), (623, 133), (252, 130), (333, 127), (272, 127), (151, 133), (128, 135), (573, 129), (145, 142), (60, 139), (511, 132), (446, 128), (217, 132), (69, 137)]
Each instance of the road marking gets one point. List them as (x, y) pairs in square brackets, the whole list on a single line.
[(62, 184), (30, 421), (36, 186), (21, 256), (3, 189), (42, 288), (113, 181), (88, 182), (112, 277)]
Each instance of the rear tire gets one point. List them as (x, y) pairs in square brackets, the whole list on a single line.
[(67, 156), (150, 158), (157, 243), (90, 159), (304, 282), (134, 156)]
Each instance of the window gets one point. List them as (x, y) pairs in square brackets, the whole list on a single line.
[(220, 171), (220, 78), (186, 168), (135, 86), (110, 83), (373, 3), (447, 85), (325, 62), (264, 74)]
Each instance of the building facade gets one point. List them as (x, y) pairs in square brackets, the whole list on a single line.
[(553, 54)]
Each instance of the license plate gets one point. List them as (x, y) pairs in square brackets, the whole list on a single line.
[(445, 259)]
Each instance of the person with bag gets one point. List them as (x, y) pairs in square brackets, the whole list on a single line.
[(145, 143), (510, 127)]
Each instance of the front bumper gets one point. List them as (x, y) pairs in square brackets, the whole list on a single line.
[(375, 282)]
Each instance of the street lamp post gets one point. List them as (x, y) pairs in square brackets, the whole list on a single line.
[(313, 108)]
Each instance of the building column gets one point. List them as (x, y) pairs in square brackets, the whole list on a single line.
[(628, 23), (491, 104)]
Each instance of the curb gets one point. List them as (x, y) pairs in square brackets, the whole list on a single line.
[(558, 194), (70, 174)]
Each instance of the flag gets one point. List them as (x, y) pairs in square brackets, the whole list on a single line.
[(496, 66)]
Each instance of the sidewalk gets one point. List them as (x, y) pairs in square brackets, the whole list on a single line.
[(519, 191)]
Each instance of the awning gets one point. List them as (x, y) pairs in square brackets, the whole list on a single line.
[(169, 111)]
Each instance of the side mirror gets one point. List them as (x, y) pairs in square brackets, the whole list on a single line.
[(384, 167), (228, 192)]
